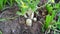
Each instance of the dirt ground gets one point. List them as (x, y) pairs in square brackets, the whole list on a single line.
[(18, 24)]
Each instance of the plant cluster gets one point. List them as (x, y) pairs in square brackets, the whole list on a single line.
[(50, 23), (26, 5), (52, 8), (4, 3)]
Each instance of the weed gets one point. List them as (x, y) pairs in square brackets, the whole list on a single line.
[(52, 12), (49, 8), (4, 3), (0, 32), (11, 2), (26, 5), (1, 4)]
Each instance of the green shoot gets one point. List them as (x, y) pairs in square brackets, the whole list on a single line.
[(0, 32), (48, 21), (25, 5), (11, 2), (1, 4), (49, 8)]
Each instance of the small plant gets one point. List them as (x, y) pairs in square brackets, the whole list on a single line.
[(25, 5), (50, 23), (3, 3), (10, 2), (49, 8), (48, 20), (49, 17), (0, 32)]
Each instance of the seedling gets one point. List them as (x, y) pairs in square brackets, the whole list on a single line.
[(0, 32), (11, 2), (50, 16), (1, 4), (25, 5), (52, 12)]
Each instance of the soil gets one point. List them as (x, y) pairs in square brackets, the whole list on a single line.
[(17, 25)]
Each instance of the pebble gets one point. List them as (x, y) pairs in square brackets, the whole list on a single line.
[(28, 22), (35, 19)]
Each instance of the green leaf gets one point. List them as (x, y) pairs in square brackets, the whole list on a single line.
[(49, 8), (0, 32), (57, 5), (5, 1), (2, 19), (58, 25), (11, 2), (25, 5), (19, 13), (53, 14), (23, 10), (48, 20), (1, 4)]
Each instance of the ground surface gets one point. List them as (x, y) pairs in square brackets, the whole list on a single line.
[(18, 26)]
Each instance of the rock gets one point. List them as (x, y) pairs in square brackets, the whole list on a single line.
[(35, 19), (28, 22)]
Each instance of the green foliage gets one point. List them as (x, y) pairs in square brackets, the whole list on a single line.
[(57, 5), (52, 12), (11, 2), (48, 20), (50, 16), (0, 32), (2, 19), (58, 25), (3, 3), (25, 5), (49, 8)]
